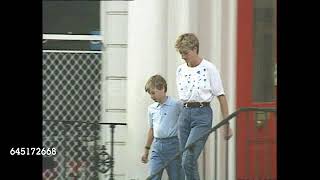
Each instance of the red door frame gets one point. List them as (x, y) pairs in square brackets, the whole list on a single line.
[(244, 76), (244, 52)]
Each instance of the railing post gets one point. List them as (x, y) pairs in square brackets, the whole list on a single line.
[(112, 126), (227, 154), (215, 155), (110, 159)]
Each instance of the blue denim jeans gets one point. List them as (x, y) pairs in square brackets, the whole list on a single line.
[(162, 151), (192, 124)]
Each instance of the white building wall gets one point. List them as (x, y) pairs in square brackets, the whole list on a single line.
[(228, 70), (209, 29), (147, 55), (217, 29), (114, 29)]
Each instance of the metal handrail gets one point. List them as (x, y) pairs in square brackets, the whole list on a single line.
[(221, 123)]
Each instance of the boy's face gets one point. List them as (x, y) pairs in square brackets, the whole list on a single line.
[(157, 94)]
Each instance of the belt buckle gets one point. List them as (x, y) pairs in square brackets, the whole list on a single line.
[(201, 104)]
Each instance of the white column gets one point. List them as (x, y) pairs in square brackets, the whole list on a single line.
[(206, 27), (174, 59), (229, 67), (221, 170), (217, 43), (210, 49), (182, 18), (147, 55)]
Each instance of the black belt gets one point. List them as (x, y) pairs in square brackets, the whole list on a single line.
[(195, 104)]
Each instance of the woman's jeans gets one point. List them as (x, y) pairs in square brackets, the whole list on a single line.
[(192, 124)]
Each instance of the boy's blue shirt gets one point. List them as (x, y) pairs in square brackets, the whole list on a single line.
[(163, 118)]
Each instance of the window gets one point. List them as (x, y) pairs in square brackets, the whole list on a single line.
[(264, 41), (70, 18)]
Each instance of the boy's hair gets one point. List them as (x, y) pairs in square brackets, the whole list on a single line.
[(156, 81), (187, 41)]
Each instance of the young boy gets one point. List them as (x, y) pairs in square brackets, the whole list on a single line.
[(163, 117)]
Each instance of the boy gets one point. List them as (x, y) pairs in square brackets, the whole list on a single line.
[(163, 117)]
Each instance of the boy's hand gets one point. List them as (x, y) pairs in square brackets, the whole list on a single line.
[(144, 157)]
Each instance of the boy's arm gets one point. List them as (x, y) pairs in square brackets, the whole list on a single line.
[(149, 139), (145, 155)]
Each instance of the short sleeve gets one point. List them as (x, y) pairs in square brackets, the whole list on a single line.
[(215, 81), (150, 121)]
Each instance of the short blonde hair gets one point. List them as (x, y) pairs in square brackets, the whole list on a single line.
[(156, 81), (187, 41)]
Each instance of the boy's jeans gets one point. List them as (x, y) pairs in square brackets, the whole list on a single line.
[(192, 124), (162, 151)]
